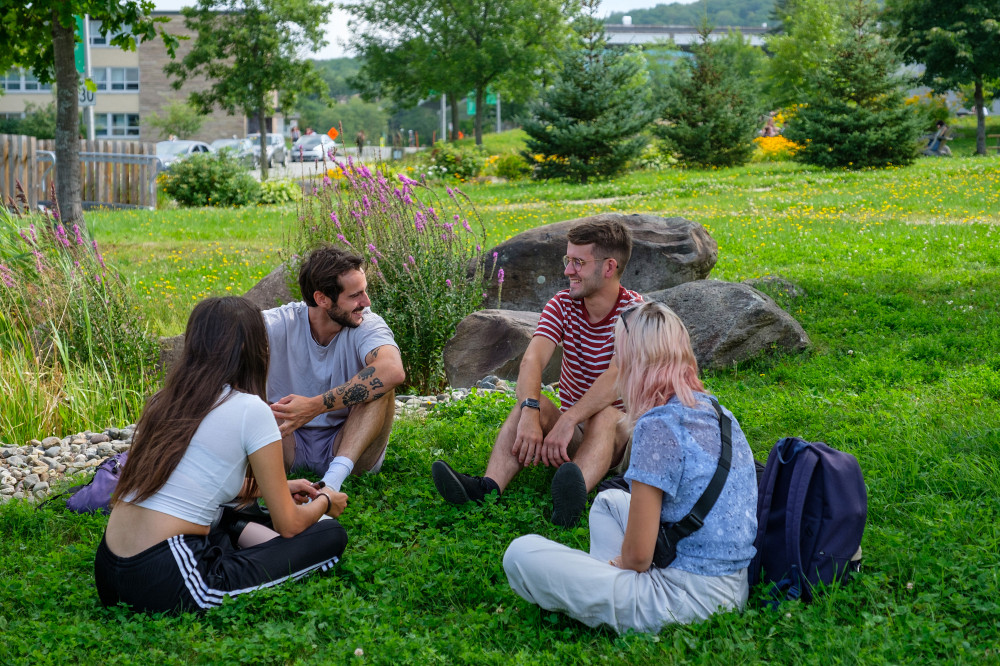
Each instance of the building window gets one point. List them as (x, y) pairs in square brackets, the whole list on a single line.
[(116, 125), (116, 79), (97, 39), (17, 80)]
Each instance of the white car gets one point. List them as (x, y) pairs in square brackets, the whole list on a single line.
[(313, 148), (168, 152)]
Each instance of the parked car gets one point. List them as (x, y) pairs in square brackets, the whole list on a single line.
[(241, 149), (276, 153), (313, 148), (168, 152)]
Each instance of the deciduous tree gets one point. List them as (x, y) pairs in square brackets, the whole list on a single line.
[(420, 48), (810, 29), (957, 42), (41, 36), (251, 51), (180, 119)]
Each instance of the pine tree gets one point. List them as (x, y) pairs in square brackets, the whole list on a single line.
[(711, 114), (855, 115), (589, 123)]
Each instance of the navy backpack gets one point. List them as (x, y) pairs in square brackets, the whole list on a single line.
[(811, 512)]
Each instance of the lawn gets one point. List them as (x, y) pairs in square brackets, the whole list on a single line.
[(901, 274)]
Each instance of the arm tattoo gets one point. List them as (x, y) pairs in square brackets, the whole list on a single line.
[(328, 399), (377, 383), (341, 389), (377, 396), (355, 395), (366, 373), (374, 353)]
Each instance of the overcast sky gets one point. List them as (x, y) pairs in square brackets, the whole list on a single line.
[(337, 32)]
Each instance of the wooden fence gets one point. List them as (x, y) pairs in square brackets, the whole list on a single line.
[(115, 174)]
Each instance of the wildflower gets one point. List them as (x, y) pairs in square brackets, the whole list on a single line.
[(358, 652), (432, 212), (448, 282), (500, 277), (418, 220), (76, 231), (343, 240), (326, 182), (410, 258), (465, 225), (6, 276)]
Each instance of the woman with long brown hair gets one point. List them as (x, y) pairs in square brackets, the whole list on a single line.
[(677, 443), (189, 456)]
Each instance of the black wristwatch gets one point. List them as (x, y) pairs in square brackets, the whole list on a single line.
[(530, 403)]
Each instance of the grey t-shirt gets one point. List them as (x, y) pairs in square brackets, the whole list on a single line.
[(302, 366)]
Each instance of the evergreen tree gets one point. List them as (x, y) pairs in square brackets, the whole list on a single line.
[(711, 113), (855, 115), (589, 123)]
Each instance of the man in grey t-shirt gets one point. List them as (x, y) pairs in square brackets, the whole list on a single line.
[(333, 370)]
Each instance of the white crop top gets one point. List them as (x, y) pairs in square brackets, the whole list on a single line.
[(215, 462)]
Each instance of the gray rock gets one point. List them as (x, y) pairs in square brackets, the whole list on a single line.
[(112, 433), (665, 252), (53, 451), (490, 344), (105, 449), (40, 490), (119, 446), (272, 290), (16, 461), (80, 458), (51, 462), (48, 442), (8, 451), (775, 286), (30, 481), (99, 438), (170, 352), (731, 322)]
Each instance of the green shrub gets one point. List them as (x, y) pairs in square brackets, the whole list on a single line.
[(423, 270), (448, 161), (512, 167), (279, 192), (929, 108), (211, 180)]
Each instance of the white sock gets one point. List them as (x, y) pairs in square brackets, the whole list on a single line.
[(339, 470)]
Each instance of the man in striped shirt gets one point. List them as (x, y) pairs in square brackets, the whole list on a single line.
[(584, 435)]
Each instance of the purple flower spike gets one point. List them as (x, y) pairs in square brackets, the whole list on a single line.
[(500, 277), (341, 238), (465, 225), (448, 282)]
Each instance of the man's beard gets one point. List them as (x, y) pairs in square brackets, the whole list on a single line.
[(342, 317)]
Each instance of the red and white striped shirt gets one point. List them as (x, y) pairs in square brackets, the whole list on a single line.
[(587, 348)]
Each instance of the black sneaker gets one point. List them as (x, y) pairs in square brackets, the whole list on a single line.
[(569, 495), (459, 488)]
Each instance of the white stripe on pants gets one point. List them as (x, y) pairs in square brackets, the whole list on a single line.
[(588, 588)]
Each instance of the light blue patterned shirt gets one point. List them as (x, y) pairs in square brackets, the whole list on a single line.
[(676, 449)]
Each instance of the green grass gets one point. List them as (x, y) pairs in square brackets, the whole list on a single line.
[(901, 273)]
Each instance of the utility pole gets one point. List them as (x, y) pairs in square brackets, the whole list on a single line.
[(444, 118), (498, 112), (88, 73)]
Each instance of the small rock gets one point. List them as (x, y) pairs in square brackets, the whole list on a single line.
[(442, 397), (51, 462), (104, 449), (46, 443), (18, 495), (99, 439), (80, 458), (121, 446), (405, 398), (53, 451), (8, 451), (40, 490), (112, 433), (7, 489), (78, 439), (39, 469), (31, 480)]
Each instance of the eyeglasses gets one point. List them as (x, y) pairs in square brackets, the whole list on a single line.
[(626, 313), (579, 263)]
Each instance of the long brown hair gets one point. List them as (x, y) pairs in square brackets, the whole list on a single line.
[(225, 343)]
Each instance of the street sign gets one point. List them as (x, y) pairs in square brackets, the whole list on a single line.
[(87, 96), (79, 49), (333, 133)]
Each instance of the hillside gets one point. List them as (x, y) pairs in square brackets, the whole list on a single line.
[(719, 12)]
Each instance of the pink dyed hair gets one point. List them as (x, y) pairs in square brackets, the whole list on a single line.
[(655, 359)]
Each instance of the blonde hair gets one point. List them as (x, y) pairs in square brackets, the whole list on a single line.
[(655, 359)]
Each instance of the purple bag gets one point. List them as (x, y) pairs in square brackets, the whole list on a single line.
[(811, 511), (96, 494)]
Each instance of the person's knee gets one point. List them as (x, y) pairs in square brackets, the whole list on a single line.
[(520, 553), (331, 536)]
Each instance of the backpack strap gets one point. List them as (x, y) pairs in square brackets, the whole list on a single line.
[(694, 520), (765, 495), (798, 488)]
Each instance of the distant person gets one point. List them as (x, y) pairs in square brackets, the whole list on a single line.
[(936, 144), (309, 131), (584, 436), (360, 141), (769, 128), (172, 137), (206, 438), (295, 133), (676, 447)]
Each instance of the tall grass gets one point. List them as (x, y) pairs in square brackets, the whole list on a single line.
[(74, 345)]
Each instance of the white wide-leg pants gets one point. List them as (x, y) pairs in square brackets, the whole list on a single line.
[(588, 588)]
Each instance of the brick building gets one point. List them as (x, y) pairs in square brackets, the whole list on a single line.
[(130, 86)]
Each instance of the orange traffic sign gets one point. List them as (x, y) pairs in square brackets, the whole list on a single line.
[(333, 133)]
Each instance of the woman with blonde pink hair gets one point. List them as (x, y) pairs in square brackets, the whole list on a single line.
[(675, 451)]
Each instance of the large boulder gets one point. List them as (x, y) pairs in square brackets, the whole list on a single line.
[(492, 342), (666, 252), (731, 322), (170, 352), (272, 290)]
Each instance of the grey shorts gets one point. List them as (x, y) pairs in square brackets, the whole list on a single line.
[(315, 449)]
